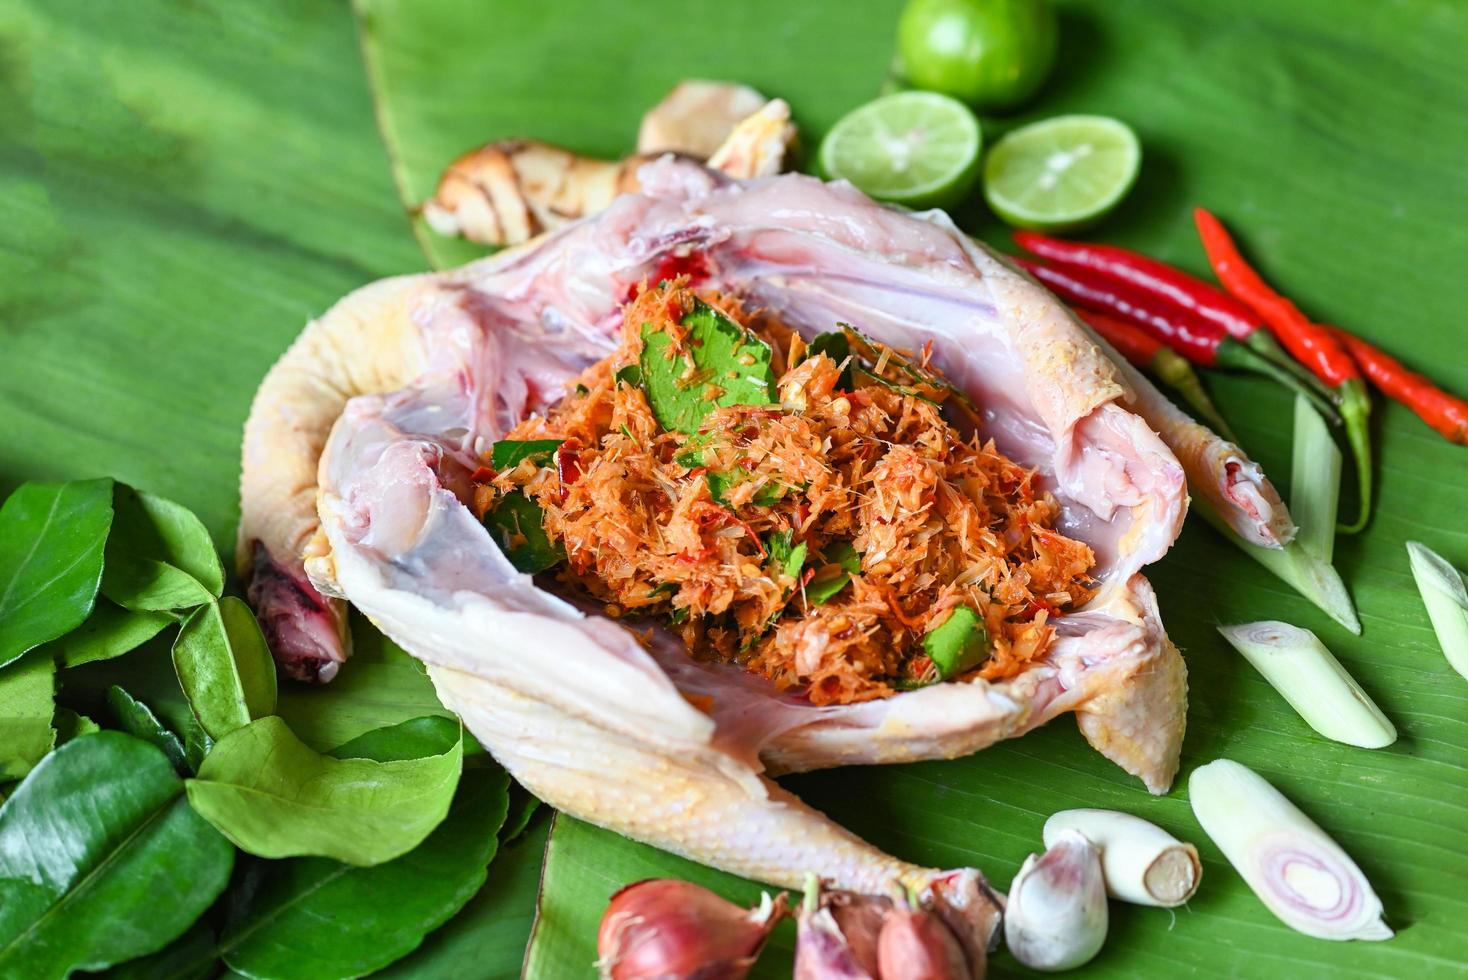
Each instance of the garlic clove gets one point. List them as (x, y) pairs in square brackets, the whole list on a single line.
[(1142, 863), (1298, 872), (1057, 917)]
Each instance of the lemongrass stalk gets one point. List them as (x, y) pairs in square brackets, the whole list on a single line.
[(1446, 599), (1312, 680), (1315, 481), (1298, 872), (1142, 863), (1056, 915), (1305, 572)]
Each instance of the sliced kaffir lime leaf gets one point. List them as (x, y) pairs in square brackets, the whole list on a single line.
[(731, 366), (518, 525), (959, 643), (507, 453), (842, 562)]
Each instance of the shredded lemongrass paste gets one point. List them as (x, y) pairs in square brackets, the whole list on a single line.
[(1312, 680), (1291, 864), (1446, 598)]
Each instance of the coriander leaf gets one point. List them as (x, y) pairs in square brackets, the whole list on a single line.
[(719, 349), (790, 557), (959, 643), (518, 526), (835, 346), (630, 374), (509, 452), (663, 590), (842, 562)]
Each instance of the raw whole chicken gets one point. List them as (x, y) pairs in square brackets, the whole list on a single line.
[(402, 387)]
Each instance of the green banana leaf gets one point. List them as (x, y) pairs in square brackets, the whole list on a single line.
[(183, 184)]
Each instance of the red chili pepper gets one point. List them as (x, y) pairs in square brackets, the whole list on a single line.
[(568, 466), (1312, 344), (1147, 352), (1445, 412), (1169, 285), (1199, 340)]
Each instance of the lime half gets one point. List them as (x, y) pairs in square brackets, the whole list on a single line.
[(1063, 173), (920, 149)]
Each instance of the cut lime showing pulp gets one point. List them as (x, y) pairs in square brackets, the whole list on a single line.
[(920, 149), (1063, 173)]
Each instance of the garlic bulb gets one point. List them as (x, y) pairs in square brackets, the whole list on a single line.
[(1142, 863), (1056, 918), (1296, 870)]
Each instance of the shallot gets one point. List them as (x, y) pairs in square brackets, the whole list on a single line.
[(916, 945), (668, 929), (837, 934)]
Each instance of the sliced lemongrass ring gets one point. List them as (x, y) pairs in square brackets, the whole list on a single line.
[(1298, 872)]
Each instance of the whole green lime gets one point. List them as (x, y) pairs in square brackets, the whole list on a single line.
[(992, 54)]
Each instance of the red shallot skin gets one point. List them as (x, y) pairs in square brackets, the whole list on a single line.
[(665, 929), (838, 940), (916, 945)]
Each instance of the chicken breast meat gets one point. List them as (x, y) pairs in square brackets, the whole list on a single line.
[(360, 446)]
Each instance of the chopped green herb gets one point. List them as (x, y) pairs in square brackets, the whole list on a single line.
[(509, 452), (678, 616), (871, 352), (726, 358), (581, 389), (835, 346), (628, 432), (663, 590), (842, 562), (518, 524), (959, 643), (721, 483), (630, 374), (789, 556)]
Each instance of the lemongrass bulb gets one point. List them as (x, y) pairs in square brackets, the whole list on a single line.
[(1298, 872), (1142, 863), (1056, 916), (1298, 666), (1446, 599)]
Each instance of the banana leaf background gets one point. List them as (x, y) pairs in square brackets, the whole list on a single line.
[(183, 184)]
